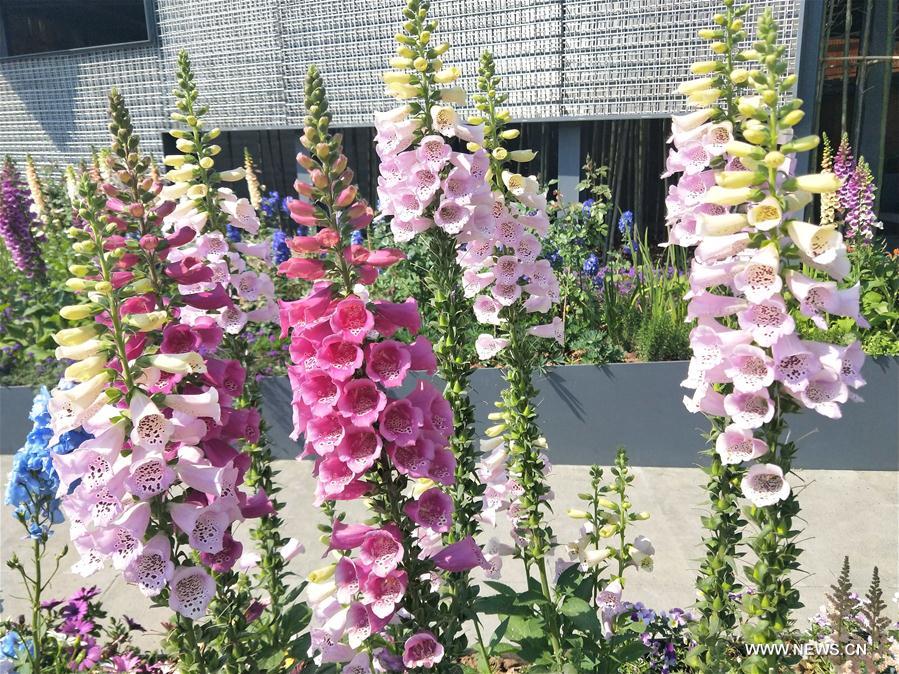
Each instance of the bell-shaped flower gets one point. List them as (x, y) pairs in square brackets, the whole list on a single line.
[(361, 402), (608, 602), (206, 526), (488, 346), (422, 650), (153, 568), (433, 509), (382, 550), (123, 539), (359, 449), (764, 485), (738, 445), (765, 215), (463, 555), (554, 330), (339, 358), (387, 362), (749, 368), (767, 321), (383, 593), (794, 362), (760, 278), (347, 536), (749, 410), (241, 214), (361, 623), (820, 247), (150, 474), (816, 297), (224, 559), (150, 428), (400, 422), (179, 363), (192, 588), (197, 404), (824, 394), (487, 310)]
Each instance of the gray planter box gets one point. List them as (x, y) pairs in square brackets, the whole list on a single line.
[(588, 411)]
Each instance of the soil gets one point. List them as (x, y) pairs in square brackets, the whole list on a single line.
[(499, 665)]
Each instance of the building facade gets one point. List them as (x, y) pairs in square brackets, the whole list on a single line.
[(562, 60)]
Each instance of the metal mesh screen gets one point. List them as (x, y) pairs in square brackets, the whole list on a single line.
[(54, 107), (560, 58), (236, 51), (626, 57)]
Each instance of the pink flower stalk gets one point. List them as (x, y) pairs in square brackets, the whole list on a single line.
[(161, 412), (350, 358)]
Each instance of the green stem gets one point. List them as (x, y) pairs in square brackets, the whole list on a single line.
[(188, 630), (37, 636)]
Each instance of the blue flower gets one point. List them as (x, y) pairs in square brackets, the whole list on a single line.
[(555, 259), (284, 202), (587, 206), (356, 237), (11, 644), (626, 223), (591, 265), (233, 233), (33, 481), (280, 251), (270, 203)]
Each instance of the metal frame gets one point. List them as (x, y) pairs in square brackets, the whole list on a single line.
[(152, 36)]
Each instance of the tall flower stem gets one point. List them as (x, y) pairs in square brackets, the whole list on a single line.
[(523, 435), (716, 581), (36, 628)]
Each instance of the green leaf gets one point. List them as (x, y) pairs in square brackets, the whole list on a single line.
[(521, 628)]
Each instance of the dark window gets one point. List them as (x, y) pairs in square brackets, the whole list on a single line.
[(38, 26)]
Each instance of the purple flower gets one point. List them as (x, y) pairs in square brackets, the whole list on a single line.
[(16, 222)]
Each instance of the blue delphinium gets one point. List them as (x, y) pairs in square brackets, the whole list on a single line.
[(11, 646), (628, 233), (270, 203), (587, 206), (233, 233), (356, 238), (280, 251), (626, 223), (284, 203), (591, 265), (33, 481)]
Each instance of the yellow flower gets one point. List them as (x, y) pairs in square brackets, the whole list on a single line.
[(454, 95), (148, 322), (79, 351), (322, 574), (694, 86), (85, 369), (735, 178), (522, 155), (233, 175), (179, 363), (73, 336), (76, 312), (765, 215), (819, 183), (728, 196), (720, 225)]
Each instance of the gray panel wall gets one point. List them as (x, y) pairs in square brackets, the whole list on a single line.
[(562, 59)]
